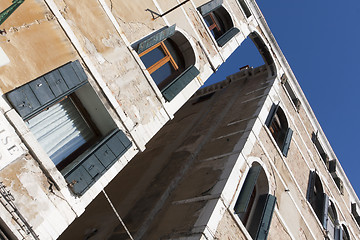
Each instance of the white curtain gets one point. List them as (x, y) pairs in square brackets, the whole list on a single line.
[(60, 130)]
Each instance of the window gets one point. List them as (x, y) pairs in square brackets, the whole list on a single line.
[(318, 200), (218, 21), (245, 8), (169, 58), (71, 124), (332, 220), (254, 205), (343, 233), (320, 149), (278, 126)]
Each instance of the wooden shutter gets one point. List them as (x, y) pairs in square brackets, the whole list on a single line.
[(44, 91), (179, 83), (265, 222), (209, 6), (311, 185), (261, 220), (324, 218), (287, 142), (245, 194), (92, 164), (221, 41), (156, 38), (271, 115), (338, 233)]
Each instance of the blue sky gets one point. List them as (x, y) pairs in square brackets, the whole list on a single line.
[(321, 41)]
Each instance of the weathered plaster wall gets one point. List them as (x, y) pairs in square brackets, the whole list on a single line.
[(34, 42)]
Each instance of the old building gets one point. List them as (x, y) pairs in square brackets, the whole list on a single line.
[(87, 84)]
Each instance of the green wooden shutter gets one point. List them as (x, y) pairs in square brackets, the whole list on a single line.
[(245, 194), (221, 41), (156, 38), (311, 185), (325, 208), (264, 225), (44, 91), (179, 83), (91, 165), (287, 142), (209, 6), (271, 115)]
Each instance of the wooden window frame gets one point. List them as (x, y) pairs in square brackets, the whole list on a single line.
[(161, 62), (215, 24)]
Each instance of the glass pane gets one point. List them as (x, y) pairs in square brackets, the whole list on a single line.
[(60, 130), (208, 20), (153, 56), (162, 73)]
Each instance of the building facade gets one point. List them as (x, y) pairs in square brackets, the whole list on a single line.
[(87, 84)]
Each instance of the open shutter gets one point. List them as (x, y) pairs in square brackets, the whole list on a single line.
[(246, 190), (324, 219), (221, 41), (287, 142), (271, 115), (93, 163), (311, 185), (44, 91), (210, 6), (156, 38), (338, 233), (261, 220), (179, 83)]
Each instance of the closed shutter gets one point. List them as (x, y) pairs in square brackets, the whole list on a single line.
[(221, 41), (210, 6), (179, 83), (324, 218), (247, 189), (311, 185), (271, 115), (287, 142), (156, 38), (42, 92), (92, 164), (261, 220)]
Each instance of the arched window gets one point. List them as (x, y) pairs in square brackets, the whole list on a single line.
[(264, 51), (170, 59), (218, 21), (343, 233), (332, 220), (279, 128), (254, 205), (319, 201)]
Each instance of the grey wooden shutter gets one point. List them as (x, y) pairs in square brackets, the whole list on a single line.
[(311, 185), (324, 218), (91, 165), (338, 233), (209, 6), (287, 142), (271, 115), (44, 91), (179, 83), (221, 41), (266, 217), (245, 194), (260, 222), (156, 38)]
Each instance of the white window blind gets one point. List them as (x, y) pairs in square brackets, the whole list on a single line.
[(60, 130)]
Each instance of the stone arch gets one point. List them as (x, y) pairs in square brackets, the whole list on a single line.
[(264, 52)]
